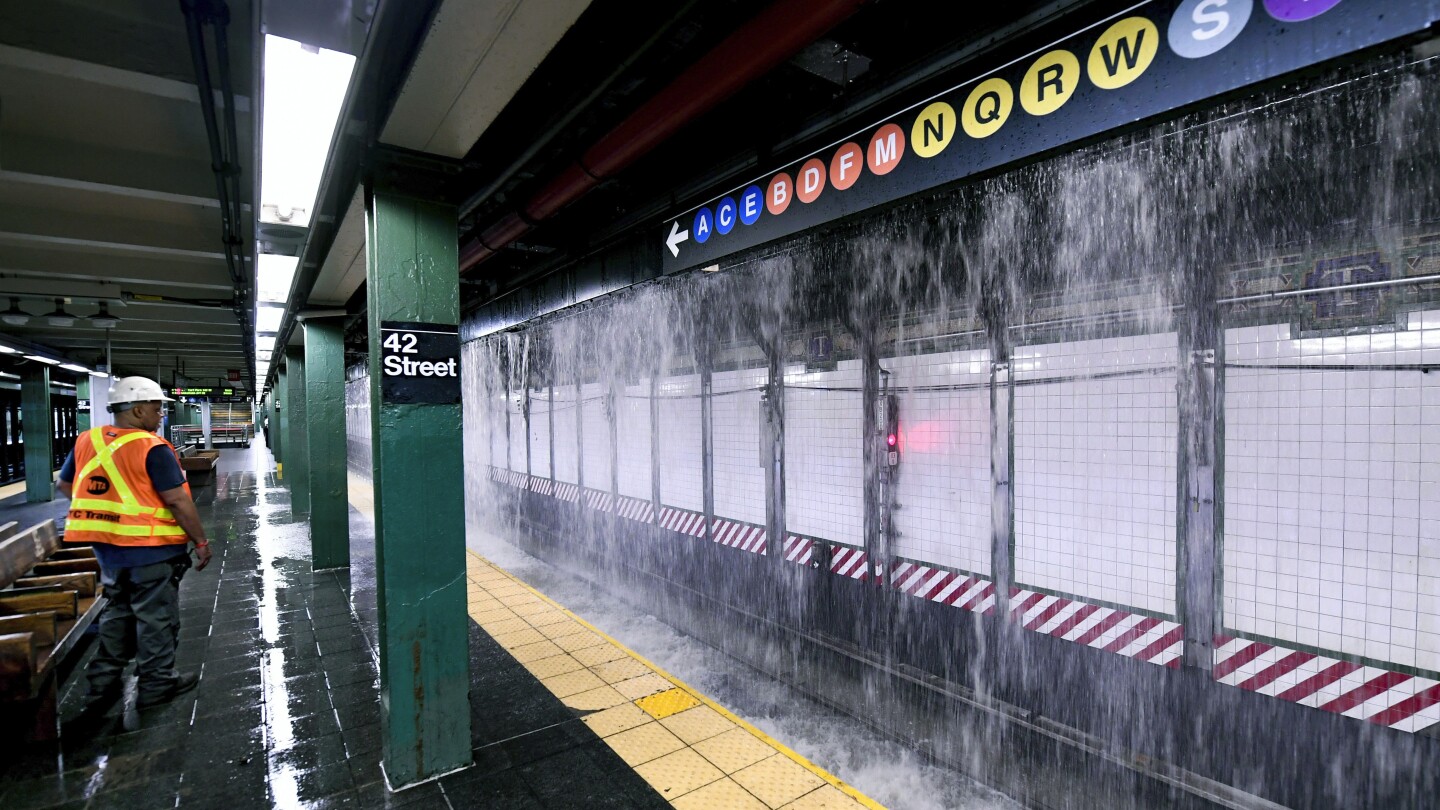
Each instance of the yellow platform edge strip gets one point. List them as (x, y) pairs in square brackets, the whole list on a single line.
[(797, 758)]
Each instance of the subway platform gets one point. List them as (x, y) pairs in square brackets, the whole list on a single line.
[(287, 712)]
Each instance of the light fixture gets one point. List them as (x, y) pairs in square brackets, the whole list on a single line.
[(59, 317), (37, 358), (8, 350), (75, 368), (103, 319), (304, 91), (15, 316)]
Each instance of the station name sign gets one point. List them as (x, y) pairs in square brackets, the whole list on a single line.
[(419, 363), (1152, 58)]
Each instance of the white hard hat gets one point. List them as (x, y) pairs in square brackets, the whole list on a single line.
[(137, 389)]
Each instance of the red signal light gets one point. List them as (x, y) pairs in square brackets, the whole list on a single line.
[(890, 440)]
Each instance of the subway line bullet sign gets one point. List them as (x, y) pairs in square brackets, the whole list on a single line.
[(419, 363), (1136, 65)]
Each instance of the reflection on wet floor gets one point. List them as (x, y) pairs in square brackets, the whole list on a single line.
[(287, 711)]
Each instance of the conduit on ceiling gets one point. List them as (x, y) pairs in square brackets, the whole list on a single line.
[(758, 47)]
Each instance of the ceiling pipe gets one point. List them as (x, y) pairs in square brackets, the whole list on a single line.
[(759, 46)]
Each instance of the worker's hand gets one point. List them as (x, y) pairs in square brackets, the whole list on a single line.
[(202, 557)]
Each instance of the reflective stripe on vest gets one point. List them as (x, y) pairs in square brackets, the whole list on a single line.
[(128, 505)]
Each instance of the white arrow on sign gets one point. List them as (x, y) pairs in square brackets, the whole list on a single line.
[(675, 238)]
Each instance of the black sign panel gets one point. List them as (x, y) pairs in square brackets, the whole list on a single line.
[(1154, 57), (419, 363)]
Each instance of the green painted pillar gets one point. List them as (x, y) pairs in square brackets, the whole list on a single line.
[(412, 277), (36, 420), (82, 405), (282, 416), (325, 437), (297, 453)]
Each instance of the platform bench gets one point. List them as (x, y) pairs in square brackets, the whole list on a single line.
[(50, 594)]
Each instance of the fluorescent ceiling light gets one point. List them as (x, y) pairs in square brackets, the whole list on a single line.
[(304, 91), (75, 368), (45, 360), (267, 319), (273, 276), (8, 350)]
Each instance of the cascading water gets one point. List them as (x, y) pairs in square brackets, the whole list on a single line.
[(1117, 391)]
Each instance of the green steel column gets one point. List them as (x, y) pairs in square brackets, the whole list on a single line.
[(325, 412), (275, 419), (278, 427), (297, 454), (35, 413), (82, 405), (412, 275)]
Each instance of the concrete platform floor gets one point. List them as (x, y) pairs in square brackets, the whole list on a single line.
[(287, 712)]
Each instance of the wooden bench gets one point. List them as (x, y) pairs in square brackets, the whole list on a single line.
[(49, 595), (199, 465)]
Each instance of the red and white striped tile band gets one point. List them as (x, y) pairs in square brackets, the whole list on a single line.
[(683, 521), (744, 536), (1117, 631), (1381, 696), (635, 509), (1385, 697), (946, 587)]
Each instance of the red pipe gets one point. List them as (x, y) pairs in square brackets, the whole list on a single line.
[(758, 47)]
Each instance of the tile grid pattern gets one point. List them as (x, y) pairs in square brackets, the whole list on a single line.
[(943, 484), (567, 455), (1095, 438), (633, 435), (824, 469), (1332, 490), (692, 751), (596, 453), (739, 473), (540, 434), (680, 473)]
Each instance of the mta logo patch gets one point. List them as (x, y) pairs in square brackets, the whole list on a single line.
[(97, 485)]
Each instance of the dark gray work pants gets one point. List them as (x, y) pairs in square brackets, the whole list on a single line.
[(141, 621)]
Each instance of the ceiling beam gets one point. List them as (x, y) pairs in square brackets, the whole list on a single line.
[(110, 77), (200, 276), (110, 170)]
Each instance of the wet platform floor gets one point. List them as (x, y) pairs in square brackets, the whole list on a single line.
[(287, 711)]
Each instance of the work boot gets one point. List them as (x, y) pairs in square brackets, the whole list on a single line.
[(184, 683)]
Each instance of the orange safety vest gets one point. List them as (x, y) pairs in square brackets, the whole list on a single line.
[(112, 499)]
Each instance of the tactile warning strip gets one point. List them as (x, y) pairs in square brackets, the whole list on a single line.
[(693, 751)]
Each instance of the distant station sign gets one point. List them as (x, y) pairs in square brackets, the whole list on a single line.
[(1154, 57)]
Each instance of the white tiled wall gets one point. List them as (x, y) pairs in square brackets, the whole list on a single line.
[(942, 485), (540, 433), (517, 434), (1095, 470), (1332, 491), (824, 466), (633, 431), (735, 415), (681, 484), (567, 454), (596, 455)]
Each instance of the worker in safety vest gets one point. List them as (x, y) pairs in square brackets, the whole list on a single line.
[(129, 500)]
